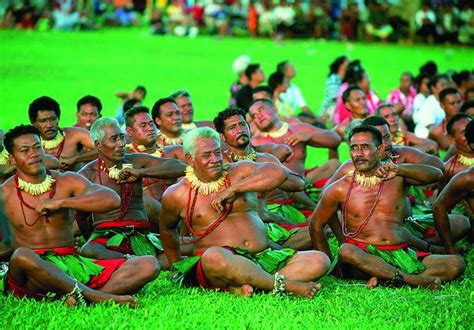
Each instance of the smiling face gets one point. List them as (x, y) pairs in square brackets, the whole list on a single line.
[(236, 132), (143, 131), (47, 123), (87, 115), (170, 119), (112, 147), (28, 154), (208, 160), (263, 115), (364, 153), (186, 108)]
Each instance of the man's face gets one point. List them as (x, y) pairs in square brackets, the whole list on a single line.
[(290, 71), (170, 119), (357, 104), (208, 160), (364, 153), (87, 115), (258, 76), (386, 140), (405, 82), (458, 136), (236, 132), (28, 154), (143, 130), (391, 116), (264, 117), (186, 108), (138, 94), (451, 104), (47, 123), (424, 89), (112, 146)]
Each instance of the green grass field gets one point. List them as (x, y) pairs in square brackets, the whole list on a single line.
[(67, 66)]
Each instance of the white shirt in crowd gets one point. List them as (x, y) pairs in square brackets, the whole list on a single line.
[(429, 114)]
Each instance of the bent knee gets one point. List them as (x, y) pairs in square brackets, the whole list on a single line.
[(458, 266), (148, 266), (23, 257), (215, 258), (346, 252)]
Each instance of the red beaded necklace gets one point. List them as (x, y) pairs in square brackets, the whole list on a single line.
[(126, 190), (23, 203), (190, 210), (367, 219)]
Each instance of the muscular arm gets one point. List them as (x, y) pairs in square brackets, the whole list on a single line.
[(259, 177), (420, 143), (415, 156), (418, 174), (169, 220), (280, 151), (455, 191), (293, 183), (326, 208), (340, 172), (162, 168)]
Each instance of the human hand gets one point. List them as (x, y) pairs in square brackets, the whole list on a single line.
[(432, 150), (66, 162), (226, 196), (298, 137), (46, 205), (128, 175), (387, 171)]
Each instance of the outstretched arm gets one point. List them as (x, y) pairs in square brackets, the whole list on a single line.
[(169, 220), (415, 174), (456, 190), (315, 137), (162, 168)]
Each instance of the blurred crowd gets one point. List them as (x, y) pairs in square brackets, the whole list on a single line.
[(432, 21)]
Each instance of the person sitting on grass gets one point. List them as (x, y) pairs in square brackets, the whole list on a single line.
[(218, 204), (38, 204), (69, 144), (184, 102), (123, 231), (88, 111), (372, 201), (168, 119)]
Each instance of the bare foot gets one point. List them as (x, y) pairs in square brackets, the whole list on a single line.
[(125, 300), (304, 289), (372, 283), (243, 291), (429, 282), (70, 301)]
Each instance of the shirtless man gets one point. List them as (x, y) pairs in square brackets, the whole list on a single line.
[(88, 111), (45, 259), (297, 136), (142, 131), (289, 228), (404, 138), (185, 104), (450, 102), (66, 144), (167, 117), (354, 101), (219, 206), (371, 199), (124, 230), (459, 188)]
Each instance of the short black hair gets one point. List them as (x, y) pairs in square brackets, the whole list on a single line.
[(384, 105), (142, 89), (224, 114), (374, 121), (435, 79), (276, 79), (419, 79), (16, 132), (466, 106), (376, 135), (336, 64), (89, 99), (251, 69), (461, 76), (263, 88), (469, 90), (281, 66), (469, 132), (347, 93), (130, 103), (429, 68), (453, 120), (43, 103), (179, 93), (155, 111), (266, 101), (447, 91), (128, 116)]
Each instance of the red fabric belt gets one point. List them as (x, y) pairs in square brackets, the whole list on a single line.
[(140, 224)]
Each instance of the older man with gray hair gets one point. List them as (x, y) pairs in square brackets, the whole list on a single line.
[(124, 231), (218, 204)]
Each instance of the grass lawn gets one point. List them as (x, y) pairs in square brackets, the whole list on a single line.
[(67, 66)]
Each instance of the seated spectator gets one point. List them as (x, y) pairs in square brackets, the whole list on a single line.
[(349, 20), (319, 19), (464, 80), (425, 20), (284, 16), (216, 17), (266, 20), (421, 84), (449, 24), (402, 99), (65, 14), (157, 24), (378, 26)]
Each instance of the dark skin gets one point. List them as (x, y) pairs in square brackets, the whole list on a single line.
[(72, 192), (450, 104), (459, 188), (76, 141), (241, 228), (385, 225), (112, 151)]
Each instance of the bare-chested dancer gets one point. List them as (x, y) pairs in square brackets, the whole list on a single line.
[(219, 206)]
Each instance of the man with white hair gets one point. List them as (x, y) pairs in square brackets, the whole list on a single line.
[(124, 231), (218, 204)]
